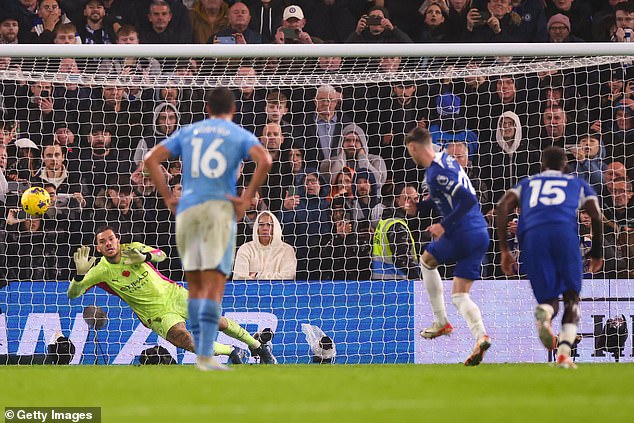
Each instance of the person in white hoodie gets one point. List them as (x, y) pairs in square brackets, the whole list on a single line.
[(507, 158), (266, 256)]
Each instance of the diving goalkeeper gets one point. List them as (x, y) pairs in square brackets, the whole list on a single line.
[(160, 304)]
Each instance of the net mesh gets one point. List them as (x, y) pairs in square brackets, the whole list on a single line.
[(339, 120)]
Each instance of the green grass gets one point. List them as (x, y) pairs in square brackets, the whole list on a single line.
[(331, 394)]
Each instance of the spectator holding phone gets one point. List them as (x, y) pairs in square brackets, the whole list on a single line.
[(495, 24), (54, 172), (376, 27), (292, 29), (238, 31), (35, 109), (207, 18)]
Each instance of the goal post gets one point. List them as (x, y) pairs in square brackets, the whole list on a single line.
[(494, 105)]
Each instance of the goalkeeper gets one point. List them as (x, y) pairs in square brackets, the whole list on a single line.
[(159, 303)]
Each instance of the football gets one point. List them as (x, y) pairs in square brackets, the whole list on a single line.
[(35, 201)]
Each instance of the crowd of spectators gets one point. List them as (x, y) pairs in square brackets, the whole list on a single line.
[(315, 21), (339, 161)]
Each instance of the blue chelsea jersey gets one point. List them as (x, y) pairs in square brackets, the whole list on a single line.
[(211, 151), (444, 177), (551, 197)]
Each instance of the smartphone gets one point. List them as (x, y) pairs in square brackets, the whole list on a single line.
[(17, 186), (291, 34), (230, 39), (21, 215), (62, 200), (373, 20), (485, 15), (45, 94)]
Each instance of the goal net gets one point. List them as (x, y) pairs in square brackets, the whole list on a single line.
[(334, 120)]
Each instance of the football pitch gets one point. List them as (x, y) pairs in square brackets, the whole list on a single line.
[(331, 393)]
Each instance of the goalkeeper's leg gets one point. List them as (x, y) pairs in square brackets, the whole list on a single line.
[(179, 336), (234, 330)]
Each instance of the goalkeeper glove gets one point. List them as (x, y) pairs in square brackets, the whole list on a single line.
[(133, 256), (83, 260)]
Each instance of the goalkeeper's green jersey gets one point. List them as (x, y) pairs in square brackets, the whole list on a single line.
[(141, 286)]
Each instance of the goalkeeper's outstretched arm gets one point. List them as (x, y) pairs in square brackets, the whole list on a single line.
[(83, 278)]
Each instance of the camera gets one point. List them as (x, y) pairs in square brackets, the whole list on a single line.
[(373, 20), (290, 34)]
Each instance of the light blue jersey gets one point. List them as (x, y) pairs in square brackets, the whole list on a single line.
[(211, 151)]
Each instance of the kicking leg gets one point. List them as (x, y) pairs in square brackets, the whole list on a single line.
[(433, 284), (471, 313), (568, 334), (544, 314)]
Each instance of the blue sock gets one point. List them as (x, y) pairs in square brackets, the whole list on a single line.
[(209, 316), (193, 308)]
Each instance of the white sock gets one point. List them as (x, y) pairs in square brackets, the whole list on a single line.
[(433, 283), (568, 334), (549, 308), (471, 313)]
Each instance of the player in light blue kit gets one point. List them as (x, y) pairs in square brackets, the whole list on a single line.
[(211, 152), (548, 233), (461, 237)]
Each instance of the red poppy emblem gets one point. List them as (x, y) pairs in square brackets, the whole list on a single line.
[(125, 273)]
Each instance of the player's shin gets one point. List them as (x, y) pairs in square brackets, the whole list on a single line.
[(471, 313), (209, 314), (193, 310), (236, 331), (433, 284), (567, 338)]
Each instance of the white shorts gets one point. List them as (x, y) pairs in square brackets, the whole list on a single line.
[(205, 236)]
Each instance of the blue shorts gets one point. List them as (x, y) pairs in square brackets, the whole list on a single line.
[(466, 249), (552, 261)]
